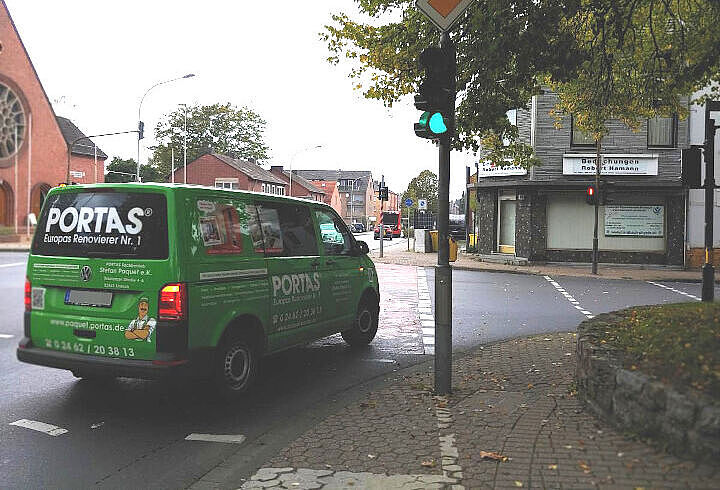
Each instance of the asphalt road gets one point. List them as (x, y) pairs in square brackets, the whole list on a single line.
[(367, 237), (131, 434)]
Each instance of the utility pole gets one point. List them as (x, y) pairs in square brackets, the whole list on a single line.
[(708, 271), (382, 208), (598, 167)]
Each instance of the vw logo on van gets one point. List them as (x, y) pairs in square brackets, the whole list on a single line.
[(86, 273)]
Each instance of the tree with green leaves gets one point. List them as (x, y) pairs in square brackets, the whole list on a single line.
[(424, 186), (124, 170), (220, 128)]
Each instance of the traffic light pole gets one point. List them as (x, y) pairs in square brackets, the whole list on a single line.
[(382, 225), (708, 271), (443, 272), (598, 167)]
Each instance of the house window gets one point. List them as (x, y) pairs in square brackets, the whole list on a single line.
[(226, 183), (580, 137), (281, 190), (264, 188), (661, 132)]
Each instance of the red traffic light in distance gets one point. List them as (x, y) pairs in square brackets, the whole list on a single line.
[(591, 194)]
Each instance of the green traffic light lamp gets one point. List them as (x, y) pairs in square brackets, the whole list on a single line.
[(431, 125)]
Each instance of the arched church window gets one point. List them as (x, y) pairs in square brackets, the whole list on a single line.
[(12, 119)]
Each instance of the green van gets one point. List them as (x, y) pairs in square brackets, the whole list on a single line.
[(154, 280)]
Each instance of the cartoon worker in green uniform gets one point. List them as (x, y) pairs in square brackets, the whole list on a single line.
[(142, 327)]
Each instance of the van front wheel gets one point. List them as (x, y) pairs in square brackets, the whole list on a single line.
[(236, 367), (364, 326)]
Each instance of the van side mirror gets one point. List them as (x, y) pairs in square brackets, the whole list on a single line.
[(362, 248)]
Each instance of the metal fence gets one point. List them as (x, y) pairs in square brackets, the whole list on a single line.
[(424, 220)]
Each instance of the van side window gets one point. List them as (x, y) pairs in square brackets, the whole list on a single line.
[(288, 230), (334, 234), (223, 227)]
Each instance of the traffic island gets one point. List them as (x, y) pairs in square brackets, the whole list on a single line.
[(655, 372)]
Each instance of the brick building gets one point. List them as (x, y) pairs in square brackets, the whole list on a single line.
[(542, 214), (331, 196), (39, 160), (356, 192), (299, 186), (215, 170)]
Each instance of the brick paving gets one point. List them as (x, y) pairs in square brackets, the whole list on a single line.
[(514, 399)]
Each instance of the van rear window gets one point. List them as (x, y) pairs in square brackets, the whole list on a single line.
[(103, 224)]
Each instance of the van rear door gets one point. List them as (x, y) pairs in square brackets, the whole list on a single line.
[(98, 262)]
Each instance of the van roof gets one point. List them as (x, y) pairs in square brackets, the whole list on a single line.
[(168, 186)]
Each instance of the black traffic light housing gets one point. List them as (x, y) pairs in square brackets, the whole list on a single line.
[(435, 93), (591, 194), (691, 164), (383, 193), (141, 130)]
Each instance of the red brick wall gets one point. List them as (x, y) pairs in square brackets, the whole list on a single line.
[(204, 171), (49, 151)]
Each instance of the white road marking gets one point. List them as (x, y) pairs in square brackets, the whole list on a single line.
[(384, 361), (692, 296), (6, 336), (427, 319), (224, 438), (14, 264), (568, 296), (51, 430)]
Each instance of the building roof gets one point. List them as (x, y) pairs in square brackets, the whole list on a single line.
[(252, 170), (71, 133), (336, 175), (299, 179)]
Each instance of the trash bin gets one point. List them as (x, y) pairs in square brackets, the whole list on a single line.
[(453, 249), (434, 238), (471, 243)]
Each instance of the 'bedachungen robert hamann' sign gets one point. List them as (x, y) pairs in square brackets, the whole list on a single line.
[(584, 164)]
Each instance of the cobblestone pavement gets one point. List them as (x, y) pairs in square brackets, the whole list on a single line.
[(512, 422)]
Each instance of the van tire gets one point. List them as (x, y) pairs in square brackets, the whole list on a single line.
[(364, 325), (236, 366)]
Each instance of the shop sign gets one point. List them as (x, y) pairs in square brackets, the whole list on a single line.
[(639, 221), (488, 169), (584, 164)]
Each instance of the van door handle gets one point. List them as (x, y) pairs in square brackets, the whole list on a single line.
[(315, 263)]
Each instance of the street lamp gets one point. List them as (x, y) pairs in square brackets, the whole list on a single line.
[(141, 125), (76, 140), (293, 157)]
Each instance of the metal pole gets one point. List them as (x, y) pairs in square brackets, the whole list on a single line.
[(29, 176), (708, 271), (172, 165), (443, 272), (15, 187), (467, 207), (598, 166), (382, 225), (95, 152), (184, 152)]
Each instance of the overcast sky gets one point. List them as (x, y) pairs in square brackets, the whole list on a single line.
[(97, 58)]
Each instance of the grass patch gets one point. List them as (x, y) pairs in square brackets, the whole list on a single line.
[(679, 343)]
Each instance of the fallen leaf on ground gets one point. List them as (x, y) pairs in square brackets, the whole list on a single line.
[(492, 455), (97, 425), (552, 466), (518, 483), (584, 466), (372, 456), (428, 464)]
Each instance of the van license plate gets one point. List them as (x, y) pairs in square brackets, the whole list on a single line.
[(84, 297)]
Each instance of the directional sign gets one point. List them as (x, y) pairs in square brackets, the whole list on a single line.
[(408, 202), (443, 13)]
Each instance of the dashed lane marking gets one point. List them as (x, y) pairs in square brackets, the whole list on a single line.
[(14, 264), (691, 296), (425, 314), (49, 429), (568, 296), (6, 336), (224, 438)]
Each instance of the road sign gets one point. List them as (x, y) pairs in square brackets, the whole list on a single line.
[(422, 204), (408, 202), (443, 13)]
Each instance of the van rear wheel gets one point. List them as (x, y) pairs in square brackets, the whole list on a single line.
[(364, 326), (236, 366)]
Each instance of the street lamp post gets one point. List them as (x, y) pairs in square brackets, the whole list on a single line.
[(141, 125), (293, 158), (70, 146)]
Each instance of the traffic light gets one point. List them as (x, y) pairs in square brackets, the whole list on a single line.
[(383, 193), (434, 94), (141, 130), (591, 194)]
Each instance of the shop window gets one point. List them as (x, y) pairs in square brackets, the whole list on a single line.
[(580, 137), (661, 132), (288, 230)]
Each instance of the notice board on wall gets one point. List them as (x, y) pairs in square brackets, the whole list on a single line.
[(637, 221)]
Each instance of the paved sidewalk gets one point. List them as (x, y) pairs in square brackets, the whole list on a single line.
[(605, 271), (512, 421)]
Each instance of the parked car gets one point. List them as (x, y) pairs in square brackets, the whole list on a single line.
[(388, 232), (358, 228)]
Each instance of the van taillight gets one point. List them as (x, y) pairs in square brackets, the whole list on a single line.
[(173, 302), (28, 295)]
